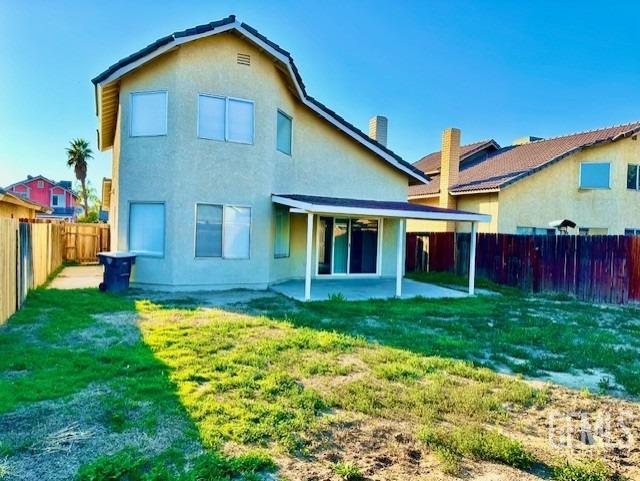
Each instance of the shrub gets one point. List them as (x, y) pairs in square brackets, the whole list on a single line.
[(348, 471), (586, 470), (480, 444)]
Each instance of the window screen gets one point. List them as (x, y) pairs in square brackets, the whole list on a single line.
[(146, 228), (208, 230), (282, 232), (211, 117), (148, 113), (632, 177), (594, 175), (240, 121), (284, 133), (237, 229)]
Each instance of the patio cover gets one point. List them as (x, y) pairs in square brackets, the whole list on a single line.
[(380, 208), (314, 205)]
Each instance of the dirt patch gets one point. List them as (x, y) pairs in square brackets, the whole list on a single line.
[(575, 425), (52, 439), (111, 329), (382, 450)]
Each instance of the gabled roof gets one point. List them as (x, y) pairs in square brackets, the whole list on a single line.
[(430, 163), (513, 163), (11, 198), (107, 88), (63, 184)]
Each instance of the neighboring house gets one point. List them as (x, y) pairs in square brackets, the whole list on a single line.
[(591, 178), (226, 173), (17, 207), (57, 196), (105, 202)]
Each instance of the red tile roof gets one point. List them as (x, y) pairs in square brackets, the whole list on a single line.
[(430, 163), (510, 164)]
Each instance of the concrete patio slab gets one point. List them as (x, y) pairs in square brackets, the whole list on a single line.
[(363, 289), (78, 277)]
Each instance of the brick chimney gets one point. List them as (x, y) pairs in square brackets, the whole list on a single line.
[(378, 129), (449, 166)]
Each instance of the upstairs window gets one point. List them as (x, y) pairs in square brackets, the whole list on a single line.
[(41, 184), (57, 200), (595, 175), (225, 119), (633, 179), (284, 133), (148, 114), (283, 232)]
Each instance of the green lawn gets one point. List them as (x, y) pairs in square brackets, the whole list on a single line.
[(168, 390)]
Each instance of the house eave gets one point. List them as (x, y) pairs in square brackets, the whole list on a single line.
[(105, 142)]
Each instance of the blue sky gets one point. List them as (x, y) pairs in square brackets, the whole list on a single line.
[(494, 69)]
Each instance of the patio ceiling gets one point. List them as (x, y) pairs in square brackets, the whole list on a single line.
[(379, 208)]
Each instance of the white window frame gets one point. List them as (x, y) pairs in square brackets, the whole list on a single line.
[(595, 188), (226, 119), (348, 274), (164, 234), (64, 200), (290, 154), (40, 184), (166, 111), (195, 229), (223, 256)]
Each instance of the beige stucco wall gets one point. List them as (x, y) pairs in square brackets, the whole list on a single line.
[(481, 203), (414, 225), (553, 193), (181, 170)]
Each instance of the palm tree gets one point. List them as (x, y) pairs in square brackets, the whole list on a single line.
[(77, 155)]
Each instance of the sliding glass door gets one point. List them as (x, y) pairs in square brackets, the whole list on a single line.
[(347, 246)]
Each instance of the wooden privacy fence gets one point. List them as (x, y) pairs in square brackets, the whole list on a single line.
[(84, 241), (29, 253), (592, 268)]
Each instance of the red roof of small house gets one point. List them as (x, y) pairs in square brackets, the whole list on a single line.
[(508, 165)]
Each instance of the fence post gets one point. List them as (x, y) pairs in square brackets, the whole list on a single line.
[(472, 259)]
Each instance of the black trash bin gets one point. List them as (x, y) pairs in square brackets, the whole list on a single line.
[(117, 270)]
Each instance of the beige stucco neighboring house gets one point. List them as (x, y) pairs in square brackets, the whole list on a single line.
[(590, 179), (227, 173)]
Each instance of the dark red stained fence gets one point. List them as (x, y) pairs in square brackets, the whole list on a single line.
[(592, 268)]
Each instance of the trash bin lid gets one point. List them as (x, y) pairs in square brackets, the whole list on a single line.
[(117, 255)]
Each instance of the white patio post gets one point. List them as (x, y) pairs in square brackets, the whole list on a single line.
[(307, 275), (472, 258), (400, 257)]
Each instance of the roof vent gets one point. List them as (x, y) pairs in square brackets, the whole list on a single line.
[(244, 59)]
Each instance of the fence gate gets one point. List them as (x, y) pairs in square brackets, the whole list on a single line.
[(84, 241)]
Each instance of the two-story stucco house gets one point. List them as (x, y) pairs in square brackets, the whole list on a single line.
[(58, 197), (588, 178), (248, 180)]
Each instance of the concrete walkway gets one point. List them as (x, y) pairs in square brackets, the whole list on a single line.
[(78, 277), (363, 289)]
